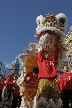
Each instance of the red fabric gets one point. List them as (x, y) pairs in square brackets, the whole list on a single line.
[(9, 83), (32, 82), (16, 90), (66, 81), (58, 81), (2, 84), (59, 71), (47, 67), (55, 54)]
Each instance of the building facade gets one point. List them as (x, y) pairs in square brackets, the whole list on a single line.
[(68, 42), (2, 68)]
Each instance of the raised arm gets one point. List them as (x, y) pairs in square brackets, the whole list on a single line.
[(56, 54), (40, 54)]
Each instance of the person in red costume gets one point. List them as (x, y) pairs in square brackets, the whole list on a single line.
[(47, 87), (1, 87), (58, 81), (9, 84), (16, 95), (31, 80), (47, 67), (66, 87)]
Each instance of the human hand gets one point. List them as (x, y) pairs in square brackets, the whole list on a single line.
[(28, 78)]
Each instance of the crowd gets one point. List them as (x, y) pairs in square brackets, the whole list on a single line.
[(10, 91)]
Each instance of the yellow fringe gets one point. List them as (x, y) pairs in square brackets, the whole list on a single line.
[(48, 88), (29, 94)]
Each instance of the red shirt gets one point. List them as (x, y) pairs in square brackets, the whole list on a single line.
[(32, 82), (9, 83), (47, 67), (66, 81), (58, 81), (16, 90), (1, 84)]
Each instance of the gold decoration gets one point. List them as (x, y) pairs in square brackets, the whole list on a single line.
[(31, 63), (29, 94), (43, 22), (50, 18), (48, 88)]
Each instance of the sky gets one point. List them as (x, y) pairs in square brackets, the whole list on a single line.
[(18, 23)]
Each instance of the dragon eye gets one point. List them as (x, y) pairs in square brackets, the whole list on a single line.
[(62, 20)]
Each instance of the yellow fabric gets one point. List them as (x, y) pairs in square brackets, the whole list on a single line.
[(48, 88), (31, 63), (29, 94)]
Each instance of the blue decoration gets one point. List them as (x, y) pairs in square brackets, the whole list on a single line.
[(16, 61)]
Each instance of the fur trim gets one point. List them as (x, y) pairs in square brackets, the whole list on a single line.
[(56, 30), (40, 48), (55, 105), (45, 42), (62, 15), (40, 103)]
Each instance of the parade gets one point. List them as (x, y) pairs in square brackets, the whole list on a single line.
[(41, 83)]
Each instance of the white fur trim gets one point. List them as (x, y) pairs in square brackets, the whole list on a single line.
[(55, 105), (25, 56), (39, 48), (20, 80), (62, 15), (45, 42), (44, 28), (41, 102)]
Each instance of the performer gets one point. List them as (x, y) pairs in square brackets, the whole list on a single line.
[(5, 102), (66, 87), (49, 32), (9, 85), (58, 81), (31, 80), (47, 87), (16, 94)]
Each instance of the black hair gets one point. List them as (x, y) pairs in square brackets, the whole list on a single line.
[(36, 70), (16, 76), (65, 65), (45, 51)]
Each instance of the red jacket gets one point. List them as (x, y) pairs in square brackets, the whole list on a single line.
[(66, 81), (2, 84), (32, 82), (60, 72), (47, 67), (58, 81), (9, 83), (16, 90)]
